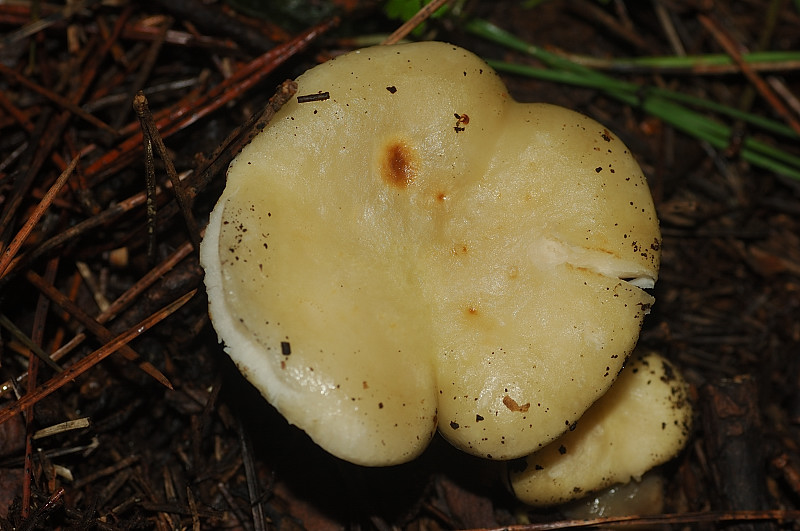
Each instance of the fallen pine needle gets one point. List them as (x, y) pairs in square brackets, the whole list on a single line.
[(84, 364), (31, 222)]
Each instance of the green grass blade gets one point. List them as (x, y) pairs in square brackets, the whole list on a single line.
[(664, 104)]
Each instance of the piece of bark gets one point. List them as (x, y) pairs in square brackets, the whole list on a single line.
[(468, 508), (734, 447)]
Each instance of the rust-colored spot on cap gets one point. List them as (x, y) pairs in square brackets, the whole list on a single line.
[(511, 404), (398, 164), (460, 249)]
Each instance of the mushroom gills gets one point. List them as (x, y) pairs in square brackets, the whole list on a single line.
[(601, 261)]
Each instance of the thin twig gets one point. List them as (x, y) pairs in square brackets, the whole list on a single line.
[(188, 112), (49, 130), (107, 471), (37, 339), (71, 233), (788, 96), (144, 71), (193, 509), (233, 143), (43, 23), (408, 26), (20, 336), (668, 26), (30, 223), (252, 478), (763, 88), (153, 137), (596, 15), (55, 98), (660, 519), (62, 427), (210, 18), (149, 189), (33, 520), (127, 298)]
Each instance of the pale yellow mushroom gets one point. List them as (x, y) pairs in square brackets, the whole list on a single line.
[(409, 248), (643, 421)]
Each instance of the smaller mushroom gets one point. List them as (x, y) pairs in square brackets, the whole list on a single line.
[(642, 422), (640, 498)]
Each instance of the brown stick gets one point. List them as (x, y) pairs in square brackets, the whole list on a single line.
[(733, 427)]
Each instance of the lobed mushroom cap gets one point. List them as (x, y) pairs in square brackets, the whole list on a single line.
[(413, 248), (643, 421)]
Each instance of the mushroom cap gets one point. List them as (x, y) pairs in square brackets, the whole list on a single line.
[(416, 249), (643, 421)]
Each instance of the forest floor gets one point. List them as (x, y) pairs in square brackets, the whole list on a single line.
[(168, 435)]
